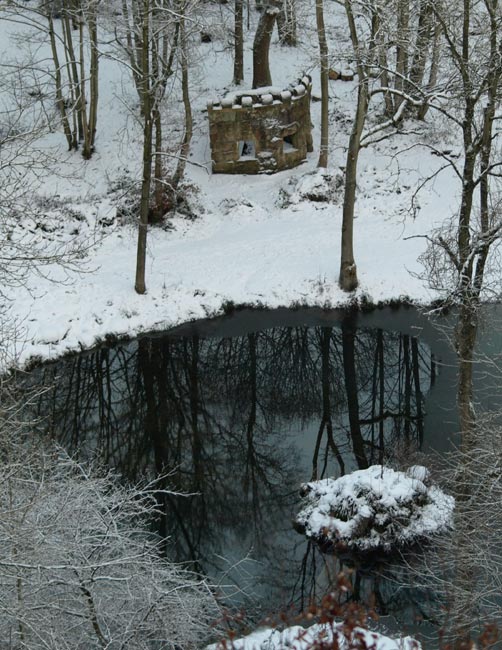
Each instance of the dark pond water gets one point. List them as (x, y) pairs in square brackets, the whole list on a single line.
[(239, 411)]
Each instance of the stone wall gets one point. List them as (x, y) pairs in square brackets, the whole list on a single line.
[(261, 130)]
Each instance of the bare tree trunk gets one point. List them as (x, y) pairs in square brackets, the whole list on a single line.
[(434, 70), (147, 151), (378, 46), (261, 47), (86, 151), (348, 271), (90, 130), (465, 341), (402, 55), (465, 572), (72, 67), (239, 42), (70, 139), (158, 203), (323, 55), (187, 138), (422, 43), (286, 23), (350, 377)]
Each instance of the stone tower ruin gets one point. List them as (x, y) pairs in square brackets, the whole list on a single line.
[(261, 130)]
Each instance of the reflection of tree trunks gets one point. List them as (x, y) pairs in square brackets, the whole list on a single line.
[(306, 583), (349, 373), (407, 387), (381, 392), (194, 413), (465, 569), (190, 404), (151, 423), (251, 461), (326, 420), (186, 532), (75, 393), (465, 341), (373, 402), (152, 432), (104, 388), (418, 393)]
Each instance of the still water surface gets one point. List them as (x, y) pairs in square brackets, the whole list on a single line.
[(237, 412)]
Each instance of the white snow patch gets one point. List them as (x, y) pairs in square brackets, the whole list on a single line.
[(300, 638), (374, 508)]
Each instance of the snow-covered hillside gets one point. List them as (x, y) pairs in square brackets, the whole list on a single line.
[(254, 239)]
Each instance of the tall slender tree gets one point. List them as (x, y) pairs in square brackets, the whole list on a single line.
[(261, 45), (324, 66), (238, 41)]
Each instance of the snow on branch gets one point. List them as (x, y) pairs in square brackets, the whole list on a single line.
[(81, 566), (322, 635)]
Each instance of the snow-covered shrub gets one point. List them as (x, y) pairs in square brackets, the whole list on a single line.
[(79, 567), (319, 186), (318, 636), (376, 508)]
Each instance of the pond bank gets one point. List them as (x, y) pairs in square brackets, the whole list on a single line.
[(243, 409)]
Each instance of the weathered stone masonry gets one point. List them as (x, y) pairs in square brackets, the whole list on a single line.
[(261, 130)]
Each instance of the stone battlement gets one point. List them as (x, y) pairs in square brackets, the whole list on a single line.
[(261, 130), (263, 96)]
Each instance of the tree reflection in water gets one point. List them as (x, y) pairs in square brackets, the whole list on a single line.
[(238, 423)]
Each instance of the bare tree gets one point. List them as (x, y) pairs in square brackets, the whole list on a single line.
[(324, 62), (261, 45), (238, 41), (459, 253), (348, 271), (375, 28), (25, 249), (187, 106), (149, 35), (79, 566), (287, 23), (71, 29)]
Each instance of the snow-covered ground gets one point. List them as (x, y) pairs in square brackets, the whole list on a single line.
[(320, 635), (255, 240)]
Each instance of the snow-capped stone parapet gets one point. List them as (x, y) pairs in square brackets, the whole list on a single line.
[(374, 509), (317, 636), (261, 130)]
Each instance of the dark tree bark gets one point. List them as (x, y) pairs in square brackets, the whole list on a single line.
[(323, 55), (350, 377), (146, 183), (326, 419), (239, 42), (348, 271), (261, 47), (187, 136)]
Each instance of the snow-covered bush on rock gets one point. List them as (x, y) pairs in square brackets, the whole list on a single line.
[(374, 509), (79, 567), (319, 186), (318, 636)]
